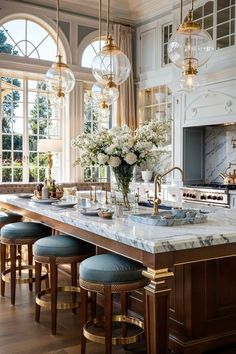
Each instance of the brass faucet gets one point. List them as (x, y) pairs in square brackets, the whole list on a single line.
[(157, 187)]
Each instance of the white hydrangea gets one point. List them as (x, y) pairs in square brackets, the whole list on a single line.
[(102, 159), (114, 161), (130, 158)]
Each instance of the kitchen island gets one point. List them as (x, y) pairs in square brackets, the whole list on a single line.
[(173, 257)]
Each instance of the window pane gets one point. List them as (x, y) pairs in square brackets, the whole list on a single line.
[(6, 174), (6, 158), (17, 175), (208, 8), (27, 38), (223, 30), (18, 142), (33, 143), (221, 4), (6, 125), (208, 21), (223, 42), (223, 16), (18, 125), (6, 142), (198, 13), (18, 159)]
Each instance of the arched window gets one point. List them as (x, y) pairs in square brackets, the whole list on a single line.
[(90, 52), (27, 113), (23, 37)]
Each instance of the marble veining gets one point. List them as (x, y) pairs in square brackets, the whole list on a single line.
[(219, 151), (220, 228)]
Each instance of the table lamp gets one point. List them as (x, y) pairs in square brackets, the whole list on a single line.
[(49, 146)]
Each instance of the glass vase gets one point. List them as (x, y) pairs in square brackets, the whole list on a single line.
[(124, 175)]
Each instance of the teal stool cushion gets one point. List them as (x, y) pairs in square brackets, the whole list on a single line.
[(9, 217), (61, 246), (110, 268), (25, 230)]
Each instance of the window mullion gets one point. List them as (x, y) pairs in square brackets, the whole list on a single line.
[(25, 133)]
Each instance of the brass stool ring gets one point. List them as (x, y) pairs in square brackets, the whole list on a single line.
[(60, 305), (6, 275), (115, 340)]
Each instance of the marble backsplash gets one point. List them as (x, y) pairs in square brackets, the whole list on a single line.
[(219, 151)]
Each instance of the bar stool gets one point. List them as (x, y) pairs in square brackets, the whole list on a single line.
[(14, 235), (54, 250), (109, 274)]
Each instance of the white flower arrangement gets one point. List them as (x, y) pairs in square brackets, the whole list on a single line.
[(120, 145)]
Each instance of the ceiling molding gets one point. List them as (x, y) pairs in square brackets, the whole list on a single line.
[(125, 11)]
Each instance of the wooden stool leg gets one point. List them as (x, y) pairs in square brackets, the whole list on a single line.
[(3, 266), (13, 273), (38, 267), (83, 317), (93, 298), (74, 282), (30, 262), (19, 254), (108, 318), (53, 272), (123, 302)]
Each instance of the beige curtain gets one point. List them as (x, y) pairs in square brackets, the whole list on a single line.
[(126, 103)]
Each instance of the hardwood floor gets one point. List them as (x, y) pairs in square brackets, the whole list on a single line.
[(19, 334)]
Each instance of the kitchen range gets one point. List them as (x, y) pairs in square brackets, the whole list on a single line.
[(212, 194)]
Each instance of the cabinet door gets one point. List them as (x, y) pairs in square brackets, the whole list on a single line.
[(148, 51), (193, 155)]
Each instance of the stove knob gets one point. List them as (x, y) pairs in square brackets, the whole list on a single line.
[(219, 198), (214, 197), (194, 196), (187, 195), (191, 195), (203, 197), (209, 197), (184, 194)]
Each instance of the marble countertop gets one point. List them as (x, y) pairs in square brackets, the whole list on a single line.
[(220, 227)]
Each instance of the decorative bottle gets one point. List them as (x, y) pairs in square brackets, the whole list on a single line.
[(45, 191)]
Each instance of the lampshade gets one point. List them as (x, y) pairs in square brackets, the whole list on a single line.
[(52, 145), (189, 82), (111, 63)]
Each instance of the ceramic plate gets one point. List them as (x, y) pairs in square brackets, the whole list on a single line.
[(44, 201), (25, 195), (90, 212), (64, 204)]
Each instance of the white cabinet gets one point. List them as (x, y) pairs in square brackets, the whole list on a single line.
[(232, 199), (213, 104), (147, 50)]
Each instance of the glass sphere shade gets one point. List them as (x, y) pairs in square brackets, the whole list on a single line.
[(113, 65), (59, 101), (60, 78), (111, 94), (190, 44), (189, 82), (96, 92)]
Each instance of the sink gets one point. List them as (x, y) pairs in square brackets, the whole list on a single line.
[(150, 205), (160, 220)]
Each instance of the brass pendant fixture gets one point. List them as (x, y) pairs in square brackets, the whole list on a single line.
[(190, 47), (59, 78)]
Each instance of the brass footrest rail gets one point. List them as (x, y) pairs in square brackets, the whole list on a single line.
[(6, 275), (60, 305), (115, 340)]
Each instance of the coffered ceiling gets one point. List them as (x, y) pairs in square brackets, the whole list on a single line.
[(127, 11)]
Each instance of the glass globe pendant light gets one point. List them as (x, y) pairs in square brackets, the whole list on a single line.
[(189, 80), (59, 78), (190, 42), (103, 111), (110, 62)]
